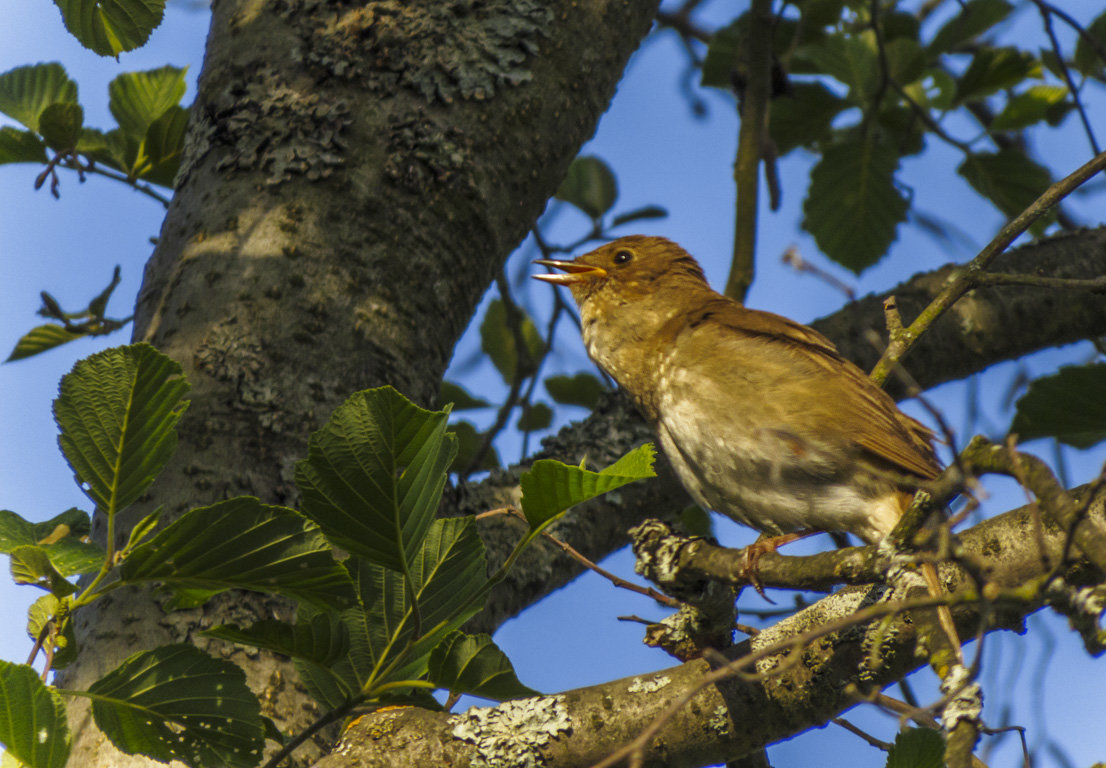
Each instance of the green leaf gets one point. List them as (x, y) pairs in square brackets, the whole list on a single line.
[(63, 645), (31, 565), (638, 214), (137, 99), (18, 146), (917, 748), (322, 638), (992, 70), (975, 18), (61, 125), (475, 665), (164, 147), (26, 91), (177, 703), (324, 685), (60, 538), (852, 59), (1007, 178), (498, 342), (374, 475), (582, 389), (42, 338), (1036, 104), (534, 417), (1069, 406), (469, 441), (723, 55), (1086, 59), (906, 61), (241, 543), (460, 398), (803, 117), (551, 487), (34, 728), (590, 186), (118, 411), (110, 27), (853, 207), (142, 529)]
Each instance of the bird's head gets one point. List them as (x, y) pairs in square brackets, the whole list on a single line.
[(632, 266)]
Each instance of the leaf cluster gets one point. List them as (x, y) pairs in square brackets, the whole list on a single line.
[(380, 624)]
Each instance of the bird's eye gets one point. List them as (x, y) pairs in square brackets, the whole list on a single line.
[(623, 257)]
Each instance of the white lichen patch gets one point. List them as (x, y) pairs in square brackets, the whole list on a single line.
[(648, 684), (965, 698), (513, 734), (719, 720)]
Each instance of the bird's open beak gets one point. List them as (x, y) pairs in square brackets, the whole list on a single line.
[(577, 272)]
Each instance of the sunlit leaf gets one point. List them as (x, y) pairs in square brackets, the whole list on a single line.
[(18, 146), (41, 339), (61, 124), (551, 487), (137, 99), (1036, 104), (26, 91), (63, 644), (34, 728)]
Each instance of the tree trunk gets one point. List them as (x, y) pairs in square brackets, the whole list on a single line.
[(356, 173)]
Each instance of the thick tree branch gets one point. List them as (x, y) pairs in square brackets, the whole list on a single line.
[(782, 693)]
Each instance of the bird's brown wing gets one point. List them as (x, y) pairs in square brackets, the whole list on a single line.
[(875, 422)]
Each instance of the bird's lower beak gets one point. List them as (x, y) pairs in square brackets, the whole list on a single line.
[(577, 272)]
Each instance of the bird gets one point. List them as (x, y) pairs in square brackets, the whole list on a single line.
[(761, 418)]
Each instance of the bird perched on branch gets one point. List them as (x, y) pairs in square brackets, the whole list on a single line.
[(761, 418)]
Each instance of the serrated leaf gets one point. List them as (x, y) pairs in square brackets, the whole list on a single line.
[(917, 748), (853, 207), (638, 214), (118, 411), (61, 124), (322, 638), (469, 441), (18, 146), (474, 664), (63, 645), (164, 147), (498, 342), (41, 339), (177, 703), (992, 70), (34, 729), (582, 389), (241, 543), (1087, 59), (26, 91), (460, 398), (1007, 178), (137, 99), (1033, 106), (804, 116), (590, 186), (449, 578), (551, 487), (110, 27), (975, 18), (534, 417), (31, 565), (324, 685), (374, 475), (1069, 406)]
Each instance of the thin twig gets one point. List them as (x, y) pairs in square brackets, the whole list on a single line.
[(1046, 15)]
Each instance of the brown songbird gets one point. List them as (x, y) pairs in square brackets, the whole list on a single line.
[(761, 418)]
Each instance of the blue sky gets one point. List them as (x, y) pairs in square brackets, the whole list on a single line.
[(660, 155)]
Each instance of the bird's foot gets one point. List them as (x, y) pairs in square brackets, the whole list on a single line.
[(750, 559)]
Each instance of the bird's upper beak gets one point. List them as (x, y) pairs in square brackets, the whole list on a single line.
[(578, 272)]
